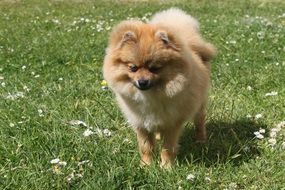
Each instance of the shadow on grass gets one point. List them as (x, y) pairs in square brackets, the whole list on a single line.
[(227, 143)]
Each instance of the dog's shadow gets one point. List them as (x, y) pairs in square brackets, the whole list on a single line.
[(227, 142)]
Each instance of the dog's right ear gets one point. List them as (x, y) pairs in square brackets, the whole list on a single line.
[(125, 32), (129, 36)]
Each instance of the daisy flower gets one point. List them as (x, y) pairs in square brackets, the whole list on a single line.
[(190, 177), (273, 93), (87, 133)]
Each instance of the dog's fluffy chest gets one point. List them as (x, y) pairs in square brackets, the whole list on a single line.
[(152, 112), (155, 113)]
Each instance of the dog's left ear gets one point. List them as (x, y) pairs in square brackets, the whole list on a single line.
[(167, 39)]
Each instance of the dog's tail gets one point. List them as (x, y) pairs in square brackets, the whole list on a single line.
[(188, 28), (175, 18), (205, 50)]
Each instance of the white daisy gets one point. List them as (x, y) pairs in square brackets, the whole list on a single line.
[(258, 135), (83, 162), (261, 130), (107, 132), (77, 122), (249, 88), (272, 141), (258, 116), (273, 134), (87, 133), (207, 179), (281, 124), (273, 93), (248, 116), (62, 163), (55, 161), (190, 177), (40, 112), (15, 95)]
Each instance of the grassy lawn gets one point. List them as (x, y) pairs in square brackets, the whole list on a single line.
[(52, 104)]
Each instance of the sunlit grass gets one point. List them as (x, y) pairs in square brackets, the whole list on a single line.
[(53, 106)]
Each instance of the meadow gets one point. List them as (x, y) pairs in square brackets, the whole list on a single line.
[(60, 127)]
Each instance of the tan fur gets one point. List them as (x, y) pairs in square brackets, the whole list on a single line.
[(178, 91)]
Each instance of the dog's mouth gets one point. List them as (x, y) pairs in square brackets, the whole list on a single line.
[(143, 84)]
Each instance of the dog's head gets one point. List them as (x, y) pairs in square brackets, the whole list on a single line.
[(142, 56)]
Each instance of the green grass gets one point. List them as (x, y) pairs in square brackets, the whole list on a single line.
[(56, 48)]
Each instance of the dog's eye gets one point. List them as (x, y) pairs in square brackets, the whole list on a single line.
[(133, 68), (154, 69)]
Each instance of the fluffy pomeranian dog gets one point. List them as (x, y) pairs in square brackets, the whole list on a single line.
[(160, 74)]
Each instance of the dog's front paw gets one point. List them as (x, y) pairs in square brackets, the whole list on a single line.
[(166, 165), (146, 160), (167, 158)]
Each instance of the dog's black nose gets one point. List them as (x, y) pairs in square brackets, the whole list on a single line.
[(143, 84)]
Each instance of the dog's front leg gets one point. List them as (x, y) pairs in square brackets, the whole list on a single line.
[(146, 141), (170, 137)]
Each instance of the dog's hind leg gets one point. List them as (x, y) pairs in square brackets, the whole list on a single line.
[(199, 122)]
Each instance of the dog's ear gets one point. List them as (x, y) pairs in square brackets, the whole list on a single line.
[(124, 32), (167, 39), (129, 36), (162, 35)]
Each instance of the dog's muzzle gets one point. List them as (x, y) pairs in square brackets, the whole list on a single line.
[(143, 84)]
